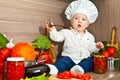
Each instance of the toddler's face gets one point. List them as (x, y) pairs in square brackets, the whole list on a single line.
[(79, 22)]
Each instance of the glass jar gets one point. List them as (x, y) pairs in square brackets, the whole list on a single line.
[(15, 68), (1, 69), (117, 64), (2, 66), (100, 64)]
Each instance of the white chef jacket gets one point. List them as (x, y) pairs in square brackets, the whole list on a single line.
[(75, 47)]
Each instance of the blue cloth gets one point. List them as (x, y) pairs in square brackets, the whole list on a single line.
[(64, 63), (87, 64)]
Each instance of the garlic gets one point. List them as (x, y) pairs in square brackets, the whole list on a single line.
[(10, 44)]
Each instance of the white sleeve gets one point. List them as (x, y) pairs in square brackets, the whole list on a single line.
[(93, 48), (92, 45), (57, 36)]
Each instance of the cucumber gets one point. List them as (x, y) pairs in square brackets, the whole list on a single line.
[(3, 41)]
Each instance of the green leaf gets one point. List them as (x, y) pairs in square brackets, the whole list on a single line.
[(118, 51), (105, 47), (41, 77), (42, 42)]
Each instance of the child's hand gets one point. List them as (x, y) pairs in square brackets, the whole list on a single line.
[(99, 45), (49, 25)]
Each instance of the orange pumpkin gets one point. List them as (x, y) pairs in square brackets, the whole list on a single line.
[(23, 50)]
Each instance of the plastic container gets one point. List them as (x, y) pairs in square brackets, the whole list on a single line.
[(100, 64), (15, 68)]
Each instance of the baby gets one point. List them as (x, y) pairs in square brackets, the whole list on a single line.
[(79, 43)]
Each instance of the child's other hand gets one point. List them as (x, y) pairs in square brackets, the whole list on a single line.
[(99, 45)]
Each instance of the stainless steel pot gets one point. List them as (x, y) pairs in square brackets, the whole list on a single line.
[(28, 63)]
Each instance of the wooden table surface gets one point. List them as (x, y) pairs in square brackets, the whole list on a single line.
[(108, 75), (55, 78)]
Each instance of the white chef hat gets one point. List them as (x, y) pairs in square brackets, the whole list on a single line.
[(82, 6)]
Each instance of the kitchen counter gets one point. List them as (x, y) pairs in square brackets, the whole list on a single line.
[(108, 75)]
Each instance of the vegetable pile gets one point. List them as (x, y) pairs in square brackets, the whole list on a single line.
[(109, 51), (26, 50)]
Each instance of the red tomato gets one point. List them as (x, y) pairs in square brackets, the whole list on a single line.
[(2, 57), (64, 75), (1, 76), (79, 76), (67, 73), (106, 54), (6, 52), (45, 58), (112, 51), (60, 75), (73, 74)]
